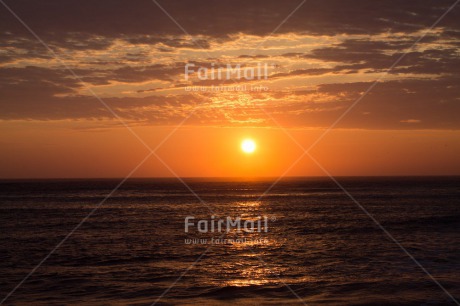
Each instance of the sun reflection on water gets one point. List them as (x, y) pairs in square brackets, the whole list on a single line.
[(248, 203)]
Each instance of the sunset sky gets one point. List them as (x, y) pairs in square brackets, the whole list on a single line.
[(321, 55)]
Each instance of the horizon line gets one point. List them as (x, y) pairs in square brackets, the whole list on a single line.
[(230, 177)]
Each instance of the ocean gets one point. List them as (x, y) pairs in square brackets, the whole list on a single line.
[(305, 242)]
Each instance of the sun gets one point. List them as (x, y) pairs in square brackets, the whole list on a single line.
[(248, 146)]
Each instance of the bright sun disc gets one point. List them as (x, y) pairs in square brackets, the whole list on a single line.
[(248, 146)]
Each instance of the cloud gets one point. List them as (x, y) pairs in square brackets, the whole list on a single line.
[(380, 55), (220, 19), (327, 55), (433, 103)]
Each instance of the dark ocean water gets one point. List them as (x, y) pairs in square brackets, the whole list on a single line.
[(320, 243)]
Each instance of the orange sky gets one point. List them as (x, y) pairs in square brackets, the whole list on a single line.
[(61, 112), (62, 150)]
